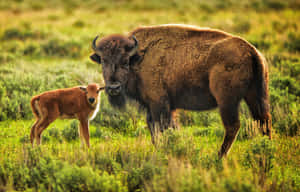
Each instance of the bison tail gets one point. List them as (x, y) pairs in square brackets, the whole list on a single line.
[(34, 103), (258, 95), (262, 80)]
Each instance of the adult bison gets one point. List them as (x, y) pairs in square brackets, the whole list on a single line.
[(177, 66)]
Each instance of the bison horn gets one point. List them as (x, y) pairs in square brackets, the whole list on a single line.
[(136, 46), (94, 43)]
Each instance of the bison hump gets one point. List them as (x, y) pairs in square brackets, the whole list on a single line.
[(173, 35)]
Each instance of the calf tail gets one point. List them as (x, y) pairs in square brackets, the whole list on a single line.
[(34, 106), (34, 103)]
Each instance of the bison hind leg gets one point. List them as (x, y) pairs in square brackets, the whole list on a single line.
[(230, 118)]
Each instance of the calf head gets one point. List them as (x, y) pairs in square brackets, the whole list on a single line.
[(116, 53), (92, 94)]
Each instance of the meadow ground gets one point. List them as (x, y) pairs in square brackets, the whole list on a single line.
[(47, 46)]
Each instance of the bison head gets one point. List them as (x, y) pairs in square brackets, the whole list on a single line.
[(115, 53)]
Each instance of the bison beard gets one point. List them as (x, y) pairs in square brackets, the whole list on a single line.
[(117, 101)]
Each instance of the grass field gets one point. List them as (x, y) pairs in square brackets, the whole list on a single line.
[(46, 46)]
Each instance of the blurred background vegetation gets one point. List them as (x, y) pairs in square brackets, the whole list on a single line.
[(45, 45)]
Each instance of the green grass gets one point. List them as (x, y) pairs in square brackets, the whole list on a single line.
[(46, 46), (182, 161)]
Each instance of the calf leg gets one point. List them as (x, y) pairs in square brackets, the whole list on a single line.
[(44, 124), (36, 127), (84, 131), (80, 130), (49, 115), (33, 131)]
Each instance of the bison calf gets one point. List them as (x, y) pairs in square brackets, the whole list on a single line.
[(81, 103)]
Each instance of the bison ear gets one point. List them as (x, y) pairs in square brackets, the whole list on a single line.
[(83, 89), (96, 58), (132, 50)]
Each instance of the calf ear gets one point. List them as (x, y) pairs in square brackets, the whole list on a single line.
[(83, 89), (100, 89), (96, 58)]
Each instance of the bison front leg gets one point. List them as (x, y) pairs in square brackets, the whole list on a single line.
[(174, 120), (151, 127), (159, 119)]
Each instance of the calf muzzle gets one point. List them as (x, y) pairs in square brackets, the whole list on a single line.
[(91, 100)]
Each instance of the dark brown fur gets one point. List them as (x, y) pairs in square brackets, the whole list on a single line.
[(70, 103), (184, 67)]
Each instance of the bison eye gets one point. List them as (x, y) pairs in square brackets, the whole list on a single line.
[(125, 64), (128, 48)]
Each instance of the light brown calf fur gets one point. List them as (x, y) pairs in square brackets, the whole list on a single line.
[(80, 103)]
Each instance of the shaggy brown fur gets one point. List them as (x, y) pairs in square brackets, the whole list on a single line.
[(185, 67), (80, 103)]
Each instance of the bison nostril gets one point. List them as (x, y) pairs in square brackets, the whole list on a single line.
[(114, 92), (114, 89), (115, 86), (91, 100)]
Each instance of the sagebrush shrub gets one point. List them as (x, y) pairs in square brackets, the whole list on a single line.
[(260, 157), (293, 42), (21, 34), (70, 132), (105, 162), (61, 48)]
